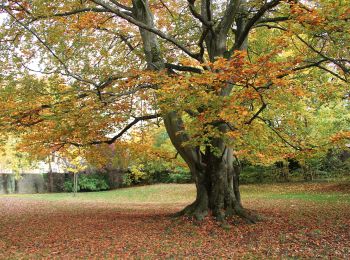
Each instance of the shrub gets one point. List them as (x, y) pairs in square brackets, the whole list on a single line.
[(179, 178), (180, 175), (156, 172), (253, 174), (135, 175), (68, 186), (88, 182)]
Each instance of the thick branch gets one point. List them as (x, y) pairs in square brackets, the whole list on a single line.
[(201, 43), (122, 132), (198, 15), (263, 106), (229, 16), (182, 68), (133, 21), (251, 22), (121, 5), (274, 19)]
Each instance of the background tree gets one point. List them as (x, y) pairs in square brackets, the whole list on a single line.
[(12, 160), (229, 78)]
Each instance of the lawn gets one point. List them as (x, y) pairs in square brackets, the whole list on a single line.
[(300, 220)]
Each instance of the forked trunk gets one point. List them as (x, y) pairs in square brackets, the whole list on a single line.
[(215, 176)]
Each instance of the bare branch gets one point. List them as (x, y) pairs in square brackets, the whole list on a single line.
[(318, 63), (336, 62), (131, 91), (333, 73)]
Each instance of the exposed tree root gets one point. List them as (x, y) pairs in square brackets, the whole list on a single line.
[(193, 210), (245, 215), (198, 212), (186, 211)]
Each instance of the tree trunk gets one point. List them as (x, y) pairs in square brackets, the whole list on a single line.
[(5, 178), (50, 181), (217, 187), (215, 175)]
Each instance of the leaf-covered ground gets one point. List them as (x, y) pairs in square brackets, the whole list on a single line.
[(300, 220)]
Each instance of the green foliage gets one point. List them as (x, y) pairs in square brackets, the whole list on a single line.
[(159, 165), (135, 175), (92, 183), (69, 186), (336, 161), (252, 174), (179, 177), (334, 164), (86, 182), (164, 172), (157, 171)]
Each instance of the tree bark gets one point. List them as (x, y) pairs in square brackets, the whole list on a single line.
[(217, 189)]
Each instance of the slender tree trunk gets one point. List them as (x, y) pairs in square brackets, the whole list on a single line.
[(75, 183), (5, 178), (50, 177)]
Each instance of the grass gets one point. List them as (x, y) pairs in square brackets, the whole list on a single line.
[(312, 197), (302, 220), (313, 191), (184, 193), (157, 194)]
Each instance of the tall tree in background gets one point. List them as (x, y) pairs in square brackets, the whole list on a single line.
[(229, 79)]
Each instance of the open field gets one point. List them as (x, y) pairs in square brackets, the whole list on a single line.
[(300, 220)]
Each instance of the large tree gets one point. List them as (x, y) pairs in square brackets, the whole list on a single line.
[(229, 79)]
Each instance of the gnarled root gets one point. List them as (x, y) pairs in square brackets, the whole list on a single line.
[(196, 210), (199, 212), (245, 215)]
